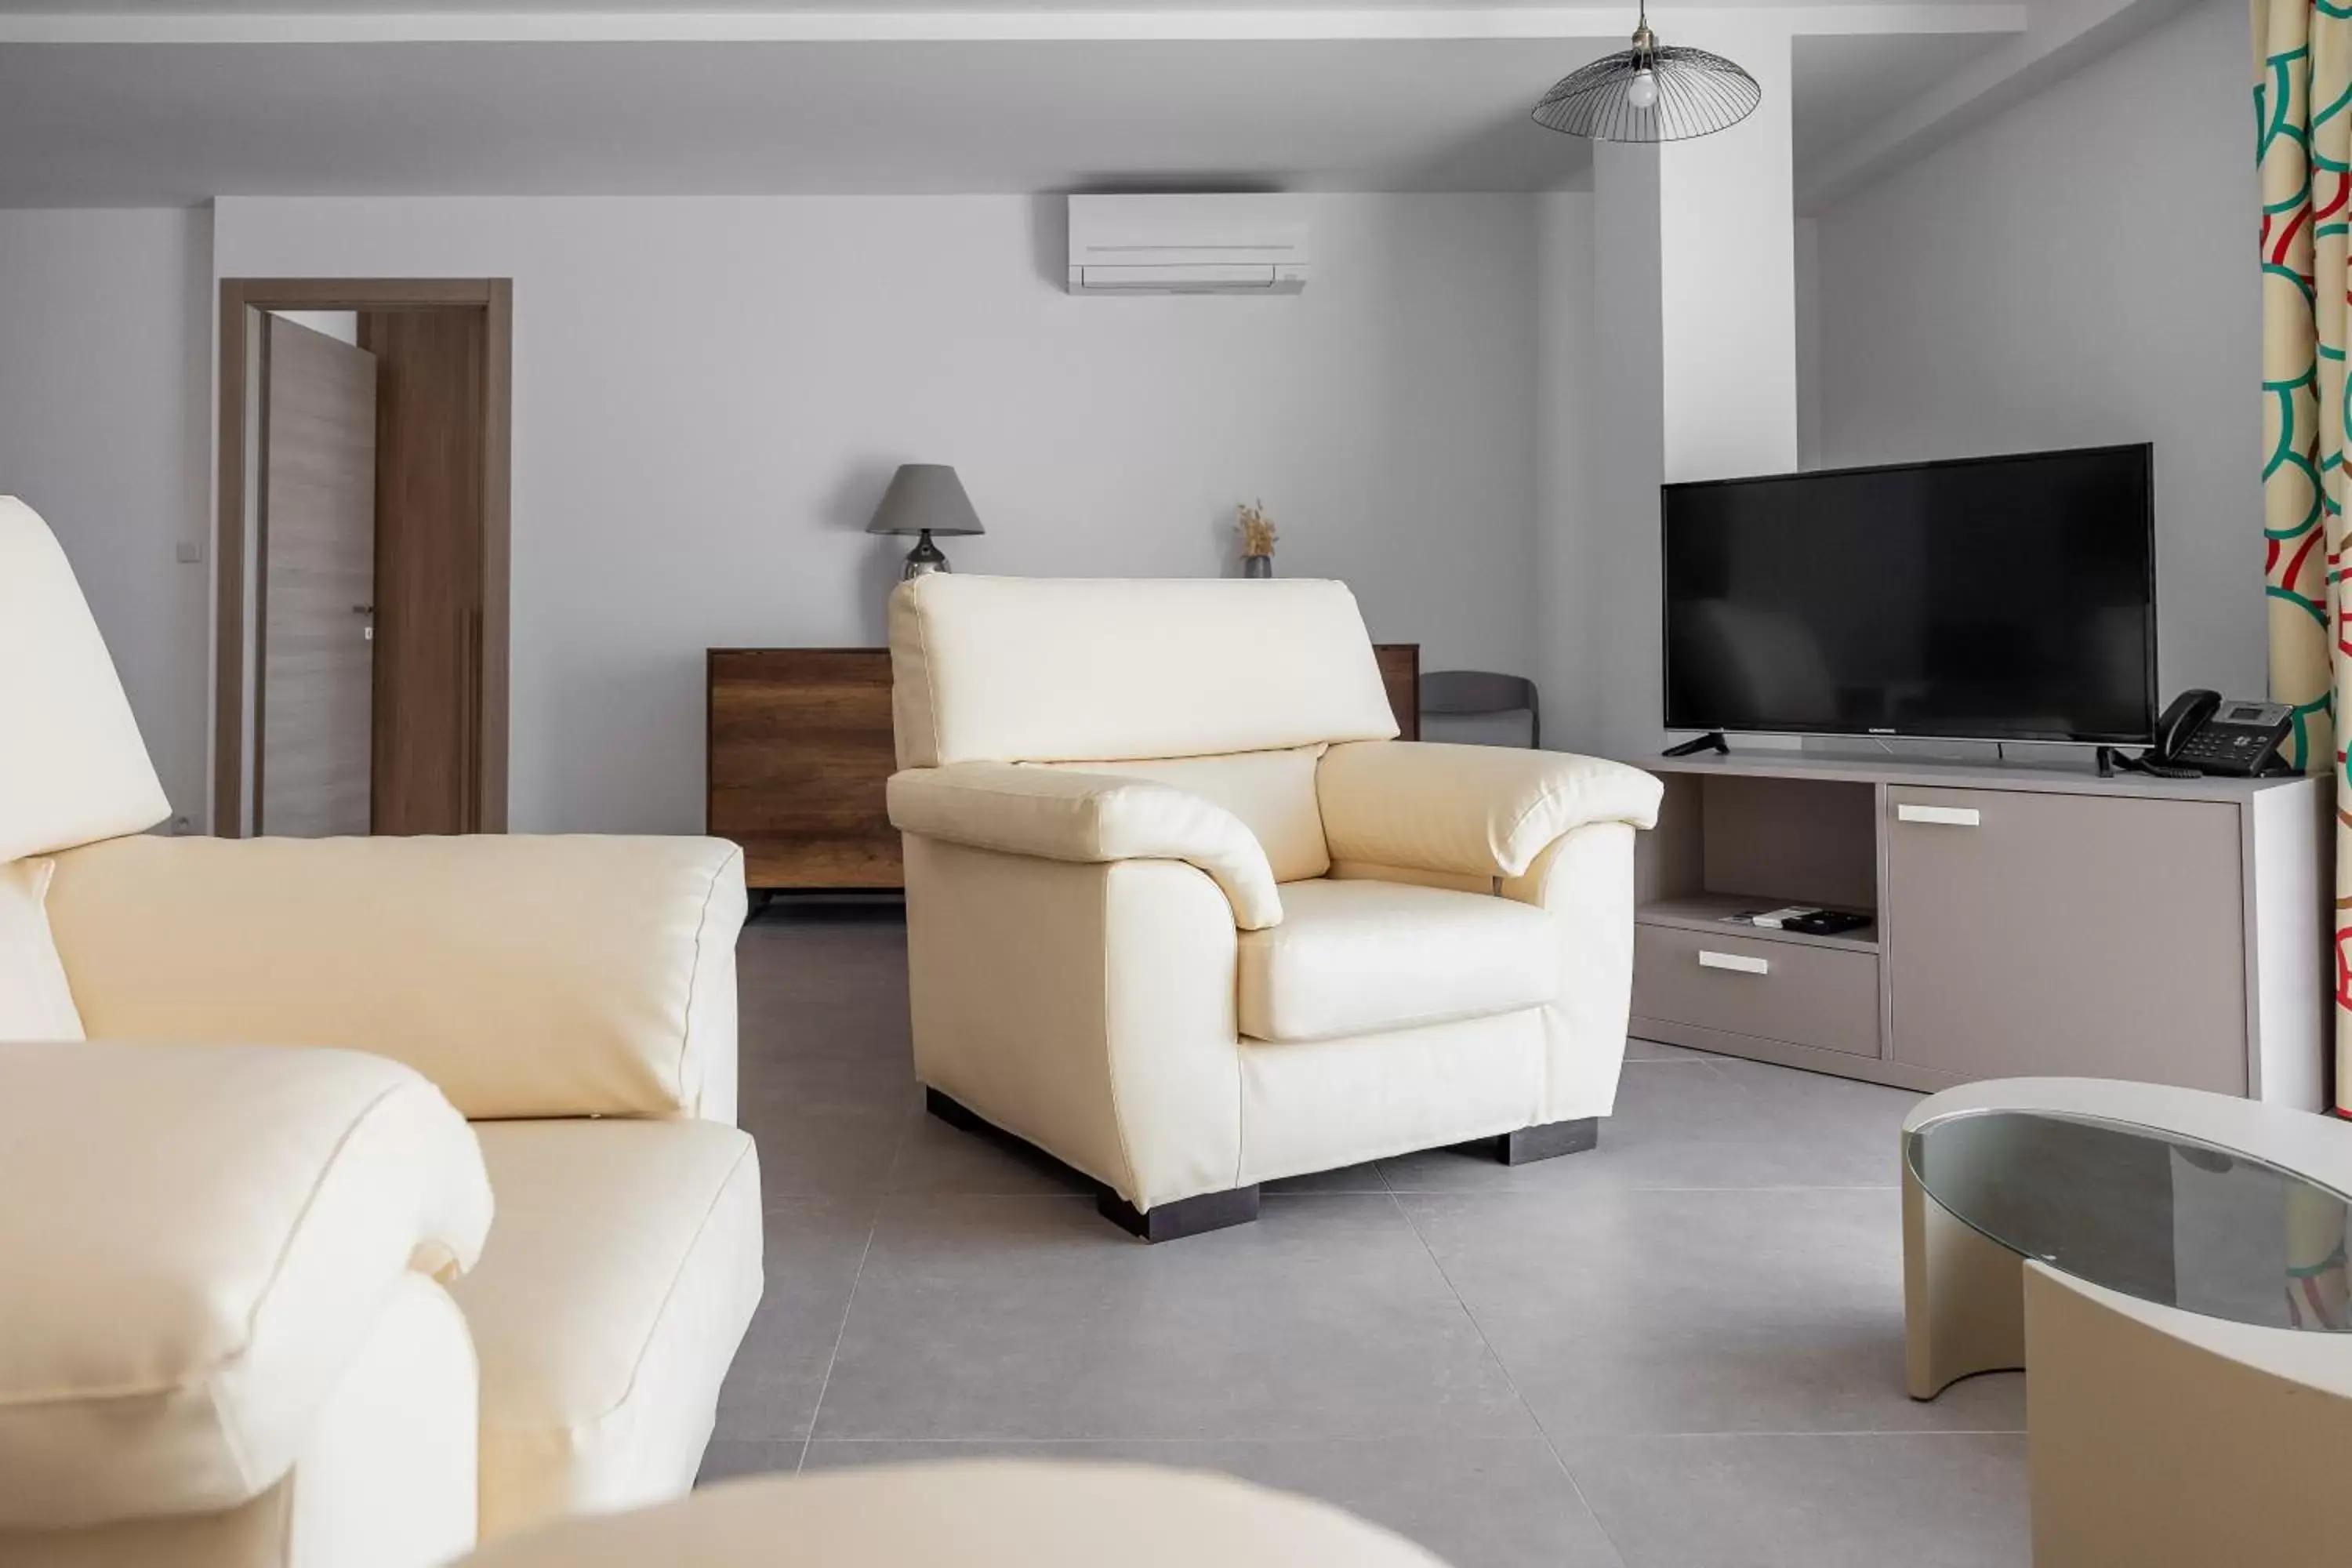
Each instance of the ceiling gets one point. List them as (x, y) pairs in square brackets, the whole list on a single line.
[(135, 102), (1847, 83), (651, 17), (138, 124)]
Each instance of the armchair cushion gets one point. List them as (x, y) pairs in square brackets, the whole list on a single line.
[(1056, 813), (36, 1003), (1361, 957), (1479, 811), (615, 1287), (526, 976), (199, 1240)]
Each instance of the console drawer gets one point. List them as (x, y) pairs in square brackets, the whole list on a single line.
[(1781, 990)]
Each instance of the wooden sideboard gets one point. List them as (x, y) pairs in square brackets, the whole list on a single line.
[(799, 749)]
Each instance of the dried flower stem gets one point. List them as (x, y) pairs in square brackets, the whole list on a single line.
[(1258, 529)]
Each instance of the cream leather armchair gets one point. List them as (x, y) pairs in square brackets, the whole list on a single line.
[(225, 1332), (573, 998), (1184, 913)]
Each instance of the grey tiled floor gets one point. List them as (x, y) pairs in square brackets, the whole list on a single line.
[(1682, 1348)]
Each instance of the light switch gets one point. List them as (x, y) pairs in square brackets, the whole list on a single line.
[(191, 551)]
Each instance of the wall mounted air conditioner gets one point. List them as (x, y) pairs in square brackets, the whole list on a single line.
[(1188, 244)]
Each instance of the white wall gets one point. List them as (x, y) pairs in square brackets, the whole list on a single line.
[(1808, 343), (104, 431), (2079, 270), (710, 395)]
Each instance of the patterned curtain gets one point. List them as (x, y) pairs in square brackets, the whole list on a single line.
[(2302, 117)]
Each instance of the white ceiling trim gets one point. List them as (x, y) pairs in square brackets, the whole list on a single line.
[(1254, 24)]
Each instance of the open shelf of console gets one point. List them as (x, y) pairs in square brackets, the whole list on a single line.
[(1717, 912), (2024, 921)]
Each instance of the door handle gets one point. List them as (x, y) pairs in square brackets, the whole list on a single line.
[(1948, 816), (1739, 962)]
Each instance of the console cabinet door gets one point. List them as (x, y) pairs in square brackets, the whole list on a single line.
[(2097, 936)]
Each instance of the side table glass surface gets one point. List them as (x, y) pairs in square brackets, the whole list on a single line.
[(2150, 1213)]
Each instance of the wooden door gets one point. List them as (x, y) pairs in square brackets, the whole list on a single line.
[(431, 566), (2099, 936), (313, 707)]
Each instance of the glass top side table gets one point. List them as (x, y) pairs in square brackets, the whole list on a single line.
[(2162, 1215)]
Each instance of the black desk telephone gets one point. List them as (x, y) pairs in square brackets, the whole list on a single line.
[(2205, 732)]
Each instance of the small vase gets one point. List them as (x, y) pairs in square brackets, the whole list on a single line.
[(1257, 565)]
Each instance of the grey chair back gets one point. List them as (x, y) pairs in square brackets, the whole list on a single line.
[(1479, 694)]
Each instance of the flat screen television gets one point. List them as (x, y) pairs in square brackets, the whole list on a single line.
[(1997, 598)]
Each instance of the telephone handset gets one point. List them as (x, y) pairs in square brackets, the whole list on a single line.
[(2204, 733)]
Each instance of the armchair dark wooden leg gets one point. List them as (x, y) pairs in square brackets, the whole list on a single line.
[(1185, 1216), (953, 1112), (1529, 1144), (1169, 1222)]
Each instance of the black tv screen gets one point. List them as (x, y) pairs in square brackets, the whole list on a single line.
[(1998, 598)]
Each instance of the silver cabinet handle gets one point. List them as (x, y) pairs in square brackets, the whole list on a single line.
[(1738, 960), (1949, 815)]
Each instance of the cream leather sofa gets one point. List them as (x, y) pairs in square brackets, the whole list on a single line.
[(1183, 912), (574, 997), (972, 1514)]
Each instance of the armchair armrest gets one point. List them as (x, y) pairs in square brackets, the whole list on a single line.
[(1479, 811), (201, 1240), (1057, 813), (525, 976)]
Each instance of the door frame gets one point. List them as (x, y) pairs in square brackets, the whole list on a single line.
[(238, 298)]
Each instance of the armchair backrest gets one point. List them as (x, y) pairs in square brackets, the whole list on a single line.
[(1044, 669), (72, 767)]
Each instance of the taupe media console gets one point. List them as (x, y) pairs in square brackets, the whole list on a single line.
[(2025, 922)]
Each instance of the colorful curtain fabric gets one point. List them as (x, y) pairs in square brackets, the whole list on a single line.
[(2302, 117)]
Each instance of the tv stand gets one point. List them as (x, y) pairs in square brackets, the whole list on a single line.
[(2024, 921), (1712, 741)]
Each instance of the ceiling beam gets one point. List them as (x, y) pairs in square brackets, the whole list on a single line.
[(2064, 36), (1266, 23)]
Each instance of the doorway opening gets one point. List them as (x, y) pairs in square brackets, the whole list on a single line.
[(362, 568)]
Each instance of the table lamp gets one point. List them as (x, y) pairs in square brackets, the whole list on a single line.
[(925, 498)]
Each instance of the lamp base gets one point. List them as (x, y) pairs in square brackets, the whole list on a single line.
[(923, 560)]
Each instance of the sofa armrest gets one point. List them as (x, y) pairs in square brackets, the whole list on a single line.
[(525, 976), (200, 1240), (1059, 813), (1476, 811)]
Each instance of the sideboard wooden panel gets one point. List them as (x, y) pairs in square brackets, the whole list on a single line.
[(1400, 673), (800, 749)]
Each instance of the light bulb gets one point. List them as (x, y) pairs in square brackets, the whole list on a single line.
[(1641, 93)]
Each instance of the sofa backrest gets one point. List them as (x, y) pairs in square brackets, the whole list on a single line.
[(1041, 670), (72, 767)]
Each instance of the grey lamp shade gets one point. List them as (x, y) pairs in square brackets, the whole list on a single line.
[(925, 498)]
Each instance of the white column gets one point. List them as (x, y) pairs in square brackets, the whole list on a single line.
[(1629, 453), (1727, 281), (1695, 360)]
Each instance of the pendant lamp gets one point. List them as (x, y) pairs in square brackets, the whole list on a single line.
[(1651, 92)]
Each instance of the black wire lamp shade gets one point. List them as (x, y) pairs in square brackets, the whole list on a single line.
[(1651, 92)]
